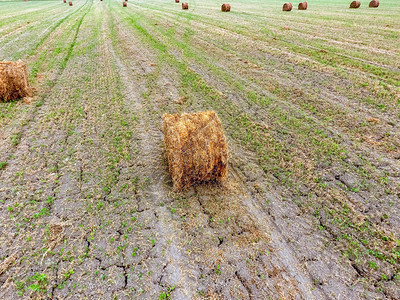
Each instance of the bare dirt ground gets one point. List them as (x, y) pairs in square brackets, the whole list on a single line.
[(310, 102)]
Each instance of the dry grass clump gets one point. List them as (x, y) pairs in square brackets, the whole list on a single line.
[(6, 263), (14, 83), (185, 5), (374, 3), (196, 148), (302, 6), (287, 6), (355, 4), (226, 7)]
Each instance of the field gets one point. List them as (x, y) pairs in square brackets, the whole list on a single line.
[(310, 104)]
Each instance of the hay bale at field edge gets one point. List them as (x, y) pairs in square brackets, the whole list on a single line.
[(195, 147), (185, 5), (302, 6), (374, 3), (226, 7), (14, 81), (355, 4), (287, 7)]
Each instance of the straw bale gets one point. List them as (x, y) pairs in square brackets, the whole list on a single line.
[(287, 6), (374, 3), (226, 7), (14, 82), (355, 4), (302, 5), (196, 148)]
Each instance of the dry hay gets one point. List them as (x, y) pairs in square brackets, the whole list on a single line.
[(124, 4), (287, 6), (5, 264), (355, 4), (70, 3), (56, 233), (185, 5), (14, 83), (374, 3), (302, 6), (176, 1), (196, 148), (181, 100), (226, 7)]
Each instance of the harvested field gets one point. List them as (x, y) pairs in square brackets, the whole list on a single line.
[(310, 106)]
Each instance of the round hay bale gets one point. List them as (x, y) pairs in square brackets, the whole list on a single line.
[(14, 82), (70, 3), (124, 4), (226, 7), (302, 6), (374, 3), (355, 4), (196, 148), (287, 6), (176, 1), (185, 5)]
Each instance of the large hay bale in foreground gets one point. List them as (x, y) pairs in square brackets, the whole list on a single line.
[(355, 4), (226, 7), (302, 6), (287, 6), (14, 82), (185, 5), (374, 3), (196, 148)]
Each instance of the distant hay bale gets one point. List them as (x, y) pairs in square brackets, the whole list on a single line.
[(14, 82), (196, 148), (355, 4), (287, 6), (124, 4), (70, 3), (185, 5), (176, 1), (374, 3), (226, 7), (302, 6)]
